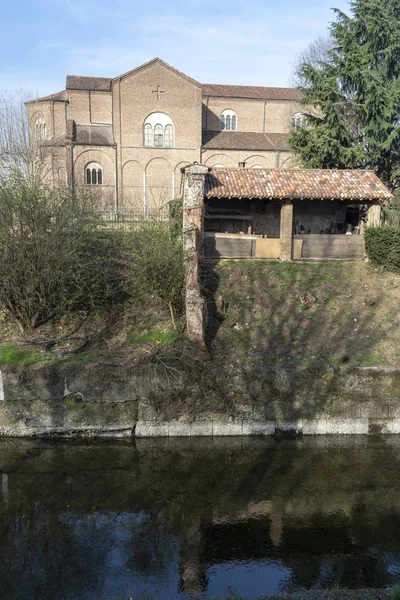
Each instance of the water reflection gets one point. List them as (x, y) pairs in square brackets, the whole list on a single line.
[(179, 517)]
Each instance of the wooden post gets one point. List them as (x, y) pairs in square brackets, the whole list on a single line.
[(287, 231)]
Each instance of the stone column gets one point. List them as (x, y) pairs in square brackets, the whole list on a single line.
[(193, 228), (287, 231), (374, 216)]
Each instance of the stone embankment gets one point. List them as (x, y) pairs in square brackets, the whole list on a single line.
[(119, 401)]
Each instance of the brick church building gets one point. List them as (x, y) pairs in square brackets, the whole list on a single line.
[(129, 137)]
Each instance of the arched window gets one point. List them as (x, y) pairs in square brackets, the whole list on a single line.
[(148, 135), (93, 174), (158, 131), (40, 129), (299, 121), (257, 167), (158, 136), (168, 136), (228, 120)]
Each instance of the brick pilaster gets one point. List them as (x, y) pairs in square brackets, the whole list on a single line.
[(287, 231), (193, 228)]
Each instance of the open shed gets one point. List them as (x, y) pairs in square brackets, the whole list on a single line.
[(298, 214)]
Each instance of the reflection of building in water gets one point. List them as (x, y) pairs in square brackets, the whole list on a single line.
[(255, 510), (318, 514), (275, 531)]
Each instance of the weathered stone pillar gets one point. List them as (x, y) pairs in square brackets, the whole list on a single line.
[(287, 231), (193, 228), (374, 216)]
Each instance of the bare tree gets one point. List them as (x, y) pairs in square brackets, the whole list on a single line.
[(21, 149), (315, 54)]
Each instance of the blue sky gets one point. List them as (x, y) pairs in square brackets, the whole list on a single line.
[(248, 42)]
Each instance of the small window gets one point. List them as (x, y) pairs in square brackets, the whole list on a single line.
[(148, 135), (168, 136), (228, 120), (299, 121), (40, 129), (93, 174), (158, 136)]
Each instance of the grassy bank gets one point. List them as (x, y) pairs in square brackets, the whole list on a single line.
[(293, 314), (275, 314)]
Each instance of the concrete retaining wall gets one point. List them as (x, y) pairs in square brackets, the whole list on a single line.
[(118, 401)]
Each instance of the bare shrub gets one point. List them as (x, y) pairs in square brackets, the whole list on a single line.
[(20, 152), (155, 265), (53, 256)]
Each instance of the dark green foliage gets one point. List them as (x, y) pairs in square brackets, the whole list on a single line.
[(176, 216), (392, 212), (356, 94), (383, 247)]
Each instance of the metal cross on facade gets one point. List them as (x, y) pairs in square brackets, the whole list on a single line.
[(158, 92)]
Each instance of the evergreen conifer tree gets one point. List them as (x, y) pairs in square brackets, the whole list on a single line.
[(355, 92)]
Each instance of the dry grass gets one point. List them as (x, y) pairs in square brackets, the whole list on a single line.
[(303, 314)]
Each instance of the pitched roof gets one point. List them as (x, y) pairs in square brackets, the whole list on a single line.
[(250, 91), (162, 63), (97, 135), (318, 184), (57, 97), (92, 84), (244, 140), (103, 84)]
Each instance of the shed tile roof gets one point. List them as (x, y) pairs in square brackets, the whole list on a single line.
[(244, 140), (251, 91), (93, 84), (318, 184), (97, 135)]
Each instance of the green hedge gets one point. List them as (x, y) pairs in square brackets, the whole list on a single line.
[(383, 247)]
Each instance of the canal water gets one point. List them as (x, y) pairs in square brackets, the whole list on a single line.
[(180, 518)]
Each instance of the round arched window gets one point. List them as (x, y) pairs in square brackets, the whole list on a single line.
[(299, 121), (40, 129), (228, 120), (158, 131), (93, 174)]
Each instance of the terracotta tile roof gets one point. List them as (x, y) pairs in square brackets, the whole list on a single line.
[(93, 84), (94, 135), (242, 140), (250, 91), (58, 97), (318, 184)]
